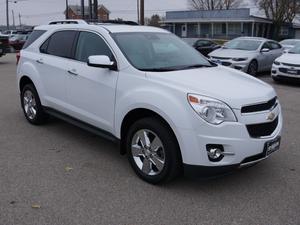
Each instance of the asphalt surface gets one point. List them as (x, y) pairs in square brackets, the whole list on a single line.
[(58, 174)]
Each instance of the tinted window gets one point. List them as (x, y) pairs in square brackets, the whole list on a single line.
[(91, 44), (61, 43), (266, 45), (274, 45), (33, 37)]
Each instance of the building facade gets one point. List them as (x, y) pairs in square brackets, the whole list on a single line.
[(74, 12), (222, 24)]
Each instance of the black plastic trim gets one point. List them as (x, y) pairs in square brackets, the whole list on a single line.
[(90, 128)]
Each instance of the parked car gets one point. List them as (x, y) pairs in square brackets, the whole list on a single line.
[(287, 65), (289, 44), (248, 54), (10, 32), (205, 46), (3, 45), (169, 107), (18, 40)]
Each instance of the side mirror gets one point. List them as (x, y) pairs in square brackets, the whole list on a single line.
[(265, 50), (101, 61)]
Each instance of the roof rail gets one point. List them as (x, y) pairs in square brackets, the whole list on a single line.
[(124, 22), (67, 22)]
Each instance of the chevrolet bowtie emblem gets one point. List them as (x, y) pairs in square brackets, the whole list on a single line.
[(271, 116)]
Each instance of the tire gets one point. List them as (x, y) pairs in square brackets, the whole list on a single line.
[(159, 161), (252, 68), (31, 105), (275, 79)]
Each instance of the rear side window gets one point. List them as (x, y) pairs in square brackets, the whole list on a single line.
[(91, 44), (60, 44), (33, 37)]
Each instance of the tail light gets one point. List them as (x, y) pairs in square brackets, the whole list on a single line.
[(18, 55)]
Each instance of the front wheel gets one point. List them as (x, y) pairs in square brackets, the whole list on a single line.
[(253, 68), (153, 151), (31, 105)]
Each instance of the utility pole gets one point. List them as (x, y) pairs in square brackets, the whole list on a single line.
[(20, 20), (13, 16), (142, 13), (7, 16), (90, 10), (96, 10), (67, 9), (138, 11), (82, 9)]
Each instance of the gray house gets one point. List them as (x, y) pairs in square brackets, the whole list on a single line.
[(222, 24)]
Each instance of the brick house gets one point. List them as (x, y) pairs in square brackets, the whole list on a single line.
[(75, 12)]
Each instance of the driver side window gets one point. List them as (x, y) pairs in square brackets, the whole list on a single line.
[(91, 44)]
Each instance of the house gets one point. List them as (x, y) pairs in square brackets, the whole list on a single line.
[(223, 24), (74, 12)]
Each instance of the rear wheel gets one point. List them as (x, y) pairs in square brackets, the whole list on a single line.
[(31, 105), (153, 151), (252, 68)]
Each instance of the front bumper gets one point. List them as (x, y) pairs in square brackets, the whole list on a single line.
[(283, 71), (243, 150)]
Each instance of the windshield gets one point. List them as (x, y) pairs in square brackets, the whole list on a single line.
[(158, 52), (290, 42), (295, 50), (243, 44)]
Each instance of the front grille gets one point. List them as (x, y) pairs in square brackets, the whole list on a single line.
[(292, 72), (289, 64), (263, 129), (226, 63), (221, 58), (260, 107)]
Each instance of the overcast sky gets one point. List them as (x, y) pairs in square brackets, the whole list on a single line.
[(34, 12)]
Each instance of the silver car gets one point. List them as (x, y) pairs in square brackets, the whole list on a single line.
[(248, 54), (288, 44)]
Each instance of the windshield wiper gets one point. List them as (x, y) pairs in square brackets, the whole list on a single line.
[(195, 66), (175, 68)]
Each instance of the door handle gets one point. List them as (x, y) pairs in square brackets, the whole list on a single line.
[(73, 72), (40, 61)]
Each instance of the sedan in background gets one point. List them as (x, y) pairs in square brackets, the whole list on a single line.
[(248, 54), (287, 65), (205, 46), (18, 40), (289, 44)]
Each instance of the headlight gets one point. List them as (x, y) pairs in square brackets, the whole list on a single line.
[(239, 59), (211, 110), (277, 63)]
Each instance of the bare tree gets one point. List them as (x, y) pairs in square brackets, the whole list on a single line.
[(213, 4), (280, 11)]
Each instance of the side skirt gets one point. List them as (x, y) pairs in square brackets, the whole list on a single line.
[(85, 126)]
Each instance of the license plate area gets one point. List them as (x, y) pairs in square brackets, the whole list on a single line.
[(272, 146)]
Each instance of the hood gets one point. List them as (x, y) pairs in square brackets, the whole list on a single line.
[(289, 58), (228, 85), (231, 53), (287, 47)]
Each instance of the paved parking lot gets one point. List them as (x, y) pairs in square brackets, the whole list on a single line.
[(58, 174)]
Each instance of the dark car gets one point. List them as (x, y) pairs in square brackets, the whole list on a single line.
[(205, 46), (3, 44)]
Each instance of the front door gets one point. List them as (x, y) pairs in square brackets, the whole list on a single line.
[(184, 30), (91, 91)]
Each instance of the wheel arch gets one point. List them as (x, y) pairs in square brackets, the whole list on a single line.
[(137, 114)]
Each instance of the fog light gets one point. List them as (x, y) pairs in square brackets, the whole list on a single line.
[(274, 71), (238, 67), (215, 153)]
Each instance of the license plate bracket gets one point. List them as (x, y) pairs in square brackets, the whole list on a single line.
[(272, 146)]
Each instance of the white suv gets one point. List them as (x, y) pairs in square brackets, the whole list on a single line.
[(170, 108)]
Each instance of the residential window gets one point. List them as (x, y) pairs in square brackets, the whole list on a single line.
[(219, 28), (284, 31), (234, 28)]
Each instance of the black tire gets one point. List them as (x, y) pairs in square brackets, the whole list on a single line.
[(276, 79), (172, 157), (253, 68), (40, 116)]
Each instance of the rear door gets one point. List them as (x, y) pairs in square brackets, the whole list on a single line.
[(91, 91), (265, 58), (52, 64)]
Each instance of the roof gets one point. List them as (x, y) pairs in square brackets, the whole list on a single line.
[(77, 9), (230, 15), (112, 28)]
